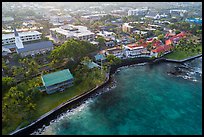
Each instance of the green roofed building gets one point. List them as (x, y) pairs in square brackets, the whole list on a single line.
[(57, 81)]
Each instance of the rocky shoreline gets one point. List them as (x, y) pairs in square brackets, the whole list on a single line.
[(76, 101)]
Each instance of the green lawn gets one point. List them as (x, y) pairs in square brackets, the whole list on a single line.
[(47, 102), (180, 55)]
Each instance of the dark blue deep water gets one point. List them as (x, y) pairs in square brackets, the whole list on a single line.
[(145, 101)]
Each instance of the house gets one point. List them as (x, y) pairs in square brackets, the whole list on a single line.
[(127, 28), (109, 38), (156, 43), (152, 15), (168, 42), (175, 39), (133, 50), (57, 81), (116, 51), (161, 49), (109, 43)]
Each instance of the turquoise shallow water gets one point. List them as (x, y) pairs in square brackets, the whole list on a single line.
[(145, 101)]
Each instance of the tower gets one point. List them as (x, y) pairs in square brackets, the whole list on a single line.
[(18, 41)]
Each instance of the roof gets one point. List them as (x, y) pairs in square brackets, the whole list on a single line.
[(36, 46), (56, 77), (11, 35), (100, 57), (73, 31), (156, 43), (194, 20), (168, 42), (162, 48), (151, 14), (133, 46)]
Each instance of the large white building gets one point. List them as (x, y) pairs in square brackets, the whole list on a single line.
[(137, 12), (93, 17), (24, 36), (70, 31)]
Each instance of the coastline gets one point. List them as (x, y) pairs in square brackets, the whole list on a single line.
[(52, 114)]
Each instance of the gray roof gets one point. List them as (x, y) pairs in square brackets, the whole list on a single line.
[(10, 46), (36, 46), (152, 14), (15, 32)]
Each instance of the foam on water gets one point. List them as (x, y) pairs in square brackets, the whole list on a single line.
[(141, 100)]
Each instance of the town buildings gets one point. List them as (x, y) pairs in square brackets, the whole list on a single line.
[(116, 51), (127, 28), (161, 49), (26, 49), (109, 38), (177, 13), (137, 12), (24, 36), (93, 17), (135, 50), (57, 81), (152, 15), (70, 31)]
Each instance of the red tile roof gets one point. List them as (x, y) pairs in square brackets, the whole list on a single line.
[(162, 48), (168, 42), (157, 43)]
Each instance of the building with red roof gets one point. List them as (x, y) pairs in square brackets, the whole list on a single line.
[(133, 49), (168, 42), (161, 49), (156, 43)]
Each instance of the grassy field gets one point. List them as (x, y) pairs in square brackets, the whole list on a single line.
[(180, 55), (47, 102)]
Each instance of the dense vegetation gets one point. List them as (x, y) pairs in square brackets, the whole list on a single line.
[(23, 103)]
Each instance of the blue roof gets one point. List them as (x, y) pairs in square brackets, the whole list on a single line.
[(99, 57), (194, 20), (36, 46)]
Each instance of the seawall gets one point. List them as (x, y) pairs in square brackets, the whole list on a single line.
[(54, 113)]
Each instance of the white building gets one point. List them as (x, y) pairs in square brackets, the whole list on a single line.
[(70, 31), (116, 51), (25, 36), (137, 12), (132, 50), (107, 34), (152, 15), (59, 20), (93, 17), (179, 12), (127, 28)]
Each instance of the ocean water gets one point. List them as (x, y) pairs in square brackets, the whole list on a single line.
[(144, 100)]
